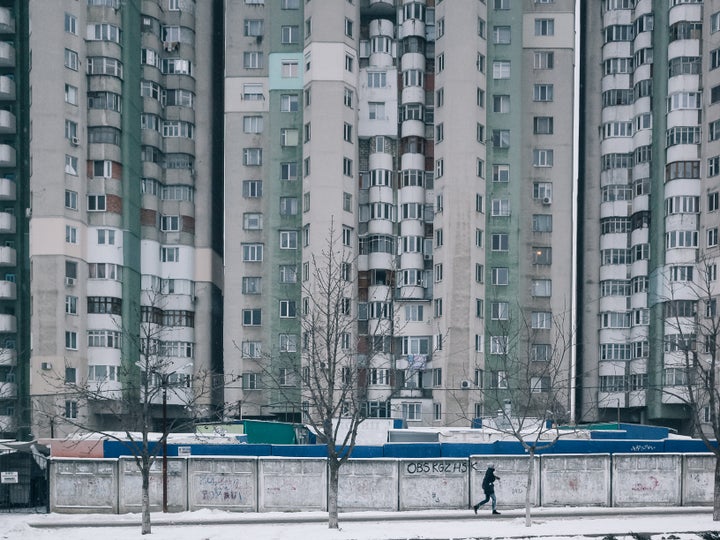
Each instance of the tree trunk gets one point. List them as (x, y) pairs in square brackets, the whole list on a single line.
[(334, 469), (145, 496), (528, 486), (716, 490)]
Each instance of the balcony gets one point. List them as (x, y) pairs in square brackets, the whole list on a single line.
[(8, 323), (8, 390), (8, 291), (7, 54), (7, 223), (7, 122), (7, 23), (8, 357), (7, 88), (7, 156), (7, 189), (8, 256), (7, 424)]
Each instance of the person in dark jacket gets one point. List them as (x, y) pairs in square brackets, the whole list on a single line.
[(488, 486)]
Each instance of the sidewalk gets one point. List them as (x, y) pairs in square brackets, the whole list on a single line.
[(547, 523)]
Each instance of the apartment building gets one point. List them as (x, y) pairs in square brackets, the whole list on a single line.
[(649, 169), (436, 140), (111, 213)]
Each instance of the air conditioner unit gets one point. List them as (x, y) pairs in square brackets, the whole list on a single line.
[(69, 281), (466, 384), (74, 141), (547, 200), (46, 366)]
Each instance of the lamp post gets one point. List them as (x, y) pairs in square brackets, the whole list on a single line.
[(164, 379)]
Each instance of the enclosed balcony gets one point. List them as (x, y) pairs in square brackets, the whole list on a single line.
[(8, 323), (8, 291), (8, 390), (7, 88), (7, 54), (8, 357), (7, 122), (7, 423), (7, 223), (7, 23), (7, 156), (8, 256), (7, 189)]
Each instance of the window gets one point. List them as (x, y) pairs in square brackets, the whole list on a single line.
[(289, 34), (106, 237), (501, 35), (251, 349), (543, 92), (348, 97), (252, 124), (500, 242), (290, 4), (348, 27), (288, 206), (501, 103), (501, 4), (377, 79), (501, 69), (541, 287), (70, 375), (376, 110), (70, 234), (71, 409), (412, 411), (253, 60), (289, 103), (500, 276), (289, 69), (347, 167), (498, 344), (543, 60), (71, 342), (501, 138), (252, 188), (347, 236), (542, 255), (71, 59), (71, 303), (542, 158), (501, 173), (288, 273), (253, 27), (500, 207), (544, 27), (252, 317), (289, 137), (539, 384), (252, 156), (541, 320), (287, 309), (347, 132), (252, 252), (542, 222), (96, 203), (71, 199), (251, 285), (499, 311), (440, 63), (712, 237), (543, 125), (252, 221), (70, 24), (288, 240)]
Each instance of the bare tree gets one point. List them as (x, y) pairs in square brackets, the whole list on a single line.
[(529, 383), (125, 403), (690, 348), (335, 360)]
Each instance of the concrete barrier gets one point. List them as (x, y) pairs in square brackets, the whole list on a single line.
[(368, 484), (130, 485), (226, 483), (292, 484), (437, 484), (698, 479), (646, 480), (575, 480), (83, 486), (512, 470)]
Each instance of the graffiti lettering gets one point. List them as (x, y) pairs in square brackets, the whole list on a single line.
[(642, 448), (436, 467), (639, 486)]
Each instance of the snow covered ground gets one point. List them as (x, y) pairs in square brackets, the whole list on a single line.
[(568, 524)]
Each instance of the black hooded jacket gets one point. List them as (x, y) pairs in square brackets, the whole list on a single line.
[(488, 483)]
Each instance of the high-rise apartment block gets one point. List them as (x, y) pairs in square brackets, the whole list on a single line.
[(180, 165)]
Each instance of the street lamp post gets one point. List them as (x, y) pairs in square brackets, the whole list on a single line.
[(164, 444)]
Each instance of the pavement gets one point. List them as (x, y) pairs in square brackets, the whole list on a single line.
[(59, 521)]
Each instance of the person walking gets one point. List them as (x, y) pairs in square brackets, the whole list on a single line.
[(488, 486)]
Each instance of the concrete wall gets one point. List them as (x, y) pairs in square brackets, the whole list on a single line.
[(575, 480), (433, 484), (292, 485), (510, 490), (698, 478), (647, 480), (271, 484), (84, 486), (225, 483)]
